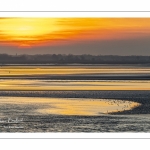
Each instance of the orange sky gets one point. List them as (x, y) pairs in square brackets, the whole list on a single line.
[(24, 32)]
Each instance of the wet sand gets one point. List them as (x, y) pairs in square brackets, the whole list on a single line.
[(142, 97), (62, 106), (135, 120), (80, 77)]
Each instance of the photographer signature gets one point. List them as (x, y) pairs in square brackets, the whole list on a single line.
[(10, 120)]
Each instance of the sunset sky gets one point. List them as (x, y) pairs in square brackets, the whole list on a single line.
[(105, 36)]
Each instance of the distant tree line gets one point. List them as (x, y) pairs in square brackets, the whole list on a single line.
[(71, 59)]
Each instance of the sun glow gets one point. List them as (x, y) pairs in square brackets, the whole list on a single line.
[(27, 29), (28, 32)]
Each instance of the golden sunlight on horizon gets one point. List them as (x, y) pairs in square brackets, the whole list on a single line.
[(48, 31)]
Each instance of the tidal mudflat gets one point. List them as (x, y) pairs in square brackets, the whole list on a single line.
[(74, 99), (70, 113)]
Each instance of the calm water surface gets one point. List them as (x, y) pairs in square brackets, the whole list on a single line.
[(65, 106), (17, 78), (25, 84)]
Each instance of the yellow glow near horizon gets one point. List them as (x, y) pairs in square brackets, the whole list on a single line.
[(36, 31), (28, 28)]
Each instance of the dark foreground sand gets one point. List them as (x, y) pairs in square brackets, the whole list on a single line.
[(136, 120)]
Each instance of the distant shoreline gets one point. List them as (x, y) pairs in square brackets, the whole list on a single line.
[(62, 59), (76, 64)]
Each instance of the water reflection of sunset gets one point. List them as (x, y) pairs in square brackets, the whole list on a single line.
[(86, 107), (37, 31), (69, 106), (34, 85)]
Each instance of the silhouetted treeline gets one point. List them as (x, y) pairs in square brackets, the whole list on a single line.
[(71, 59)]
